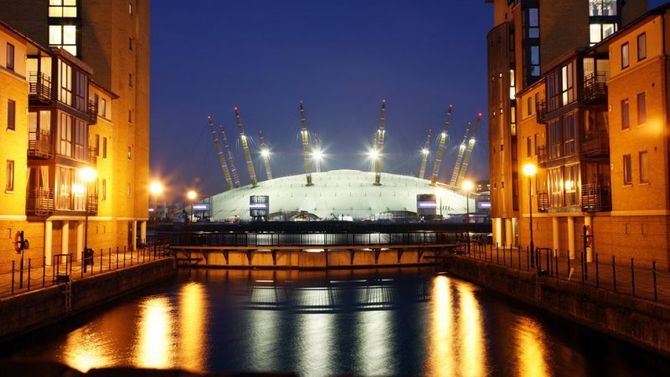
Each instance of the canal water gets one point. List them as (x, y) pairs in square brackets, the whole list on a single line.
[(367, 323)]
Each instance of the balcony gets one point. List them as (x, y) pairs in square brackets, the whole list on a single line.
[(595, 87), (92, 112), (92, 156), (541, 109), (595, 144), (39, 145), (40, 86), (542, 201), (542, 155), (92, 204), (596, 197), (40, 202)]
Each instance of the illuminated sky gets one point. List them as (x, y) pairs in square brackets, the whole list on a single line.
[(340, 56)]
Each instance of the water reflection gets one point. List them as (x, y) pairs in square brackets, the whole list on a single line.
[(193, 321), (374, 334), (315, 344), (440, 357), (472, 350), (530, 349), (155, 345), (85, 350)]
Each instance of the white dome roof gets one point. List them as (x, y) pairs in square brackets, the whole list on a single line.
[(338, 192)]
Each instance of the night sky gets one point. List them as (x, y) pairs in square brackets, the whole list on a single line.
[(341, 57)]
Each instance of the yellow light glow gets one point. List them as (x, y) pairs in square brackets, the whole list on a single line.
[(569, 184), (191, 195), (78, 189), (85, 349), (374, 154), (87, 174), (425, 152), (472, 350), (529, 169), (156, 188), (441, 353), (530, 349), (193, 320), (155, 346), (467, 185), (317, 155), (265, 153)]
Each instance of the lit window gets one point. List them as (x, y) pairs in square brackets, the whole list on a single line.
[(130, 9), (63, 36), (10, 57), (130, 153), (63, 8), (9, 185), (567, 84), (598, 32), (625, 114), (644, 167), (641, 46), (624, 56), (641, 108), (103, 108), (599, 8), (627, 170), (512, 85), (533, 23)]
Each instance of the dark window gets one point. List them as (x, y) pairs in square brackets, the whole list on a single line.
[(625, 114), (528, 146), (536, 142), (641, 46), (10, 56), (104, 147), (533, 23), (644, 167), (130, 80), (97, 145), (627, 170), (9, 185), (569, 134), (624, 56), (641, 108), (130, 116), (529, 105), (11, 115), (130, 44)]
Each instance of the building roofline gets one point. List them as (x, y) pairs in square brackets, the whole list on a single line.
[(99, 86), (20, 35)]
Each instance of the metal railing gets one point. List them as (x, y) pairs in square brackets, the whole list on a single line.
[(39, 145), (595, 87), (92, 111), (32, 274), (40, 202), (92, 156), (596, 197), (39, 85), (542, 201), (92, 204), (595, 144), (622, 275)]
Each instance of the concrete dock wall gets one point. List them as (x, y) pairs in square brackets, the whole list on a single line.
[(306, 260), (638, 321), (32, 310)]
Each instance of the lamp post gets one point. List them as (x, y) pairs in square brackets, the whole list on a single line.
[(86, 175), (155, 189), (467, 186), (529, 170), (192, 195)]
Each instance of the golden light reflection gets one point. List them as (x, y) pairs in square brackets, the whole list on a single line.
[(84, 350), (375, 337), (441, 352), (156, 348), (472, 351), (531, 352), (193, 321)]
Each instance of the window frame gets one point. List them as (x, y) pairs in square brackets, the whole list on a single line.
[(644, 167), (10, 57), (627, 170), (642, 108), (642, 37), (10, 175), (625, 114), (625, 57), (11, 114)]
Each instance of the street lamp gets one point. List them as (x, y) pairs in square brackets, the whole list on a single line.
[(155, 188), (425, 152), (467, 186), (265, 153), (192, 195), (374, 154), (86, 175), (529, 170)]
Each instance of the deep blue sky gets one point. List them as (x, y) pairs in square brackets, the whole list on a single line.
[(340, 56)]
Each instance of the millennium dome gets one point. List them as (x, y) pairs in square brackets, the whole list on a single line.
[(340, 195)]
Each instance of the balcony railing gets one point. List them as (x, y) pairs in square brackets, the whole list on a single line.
[(39, 145), (92, 112), (92, 156), (40, 85), (92, 204), (541, 109), (595, 87), (40, 202), (595, 144), (596, 197), (542, 201), (542, 155)]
